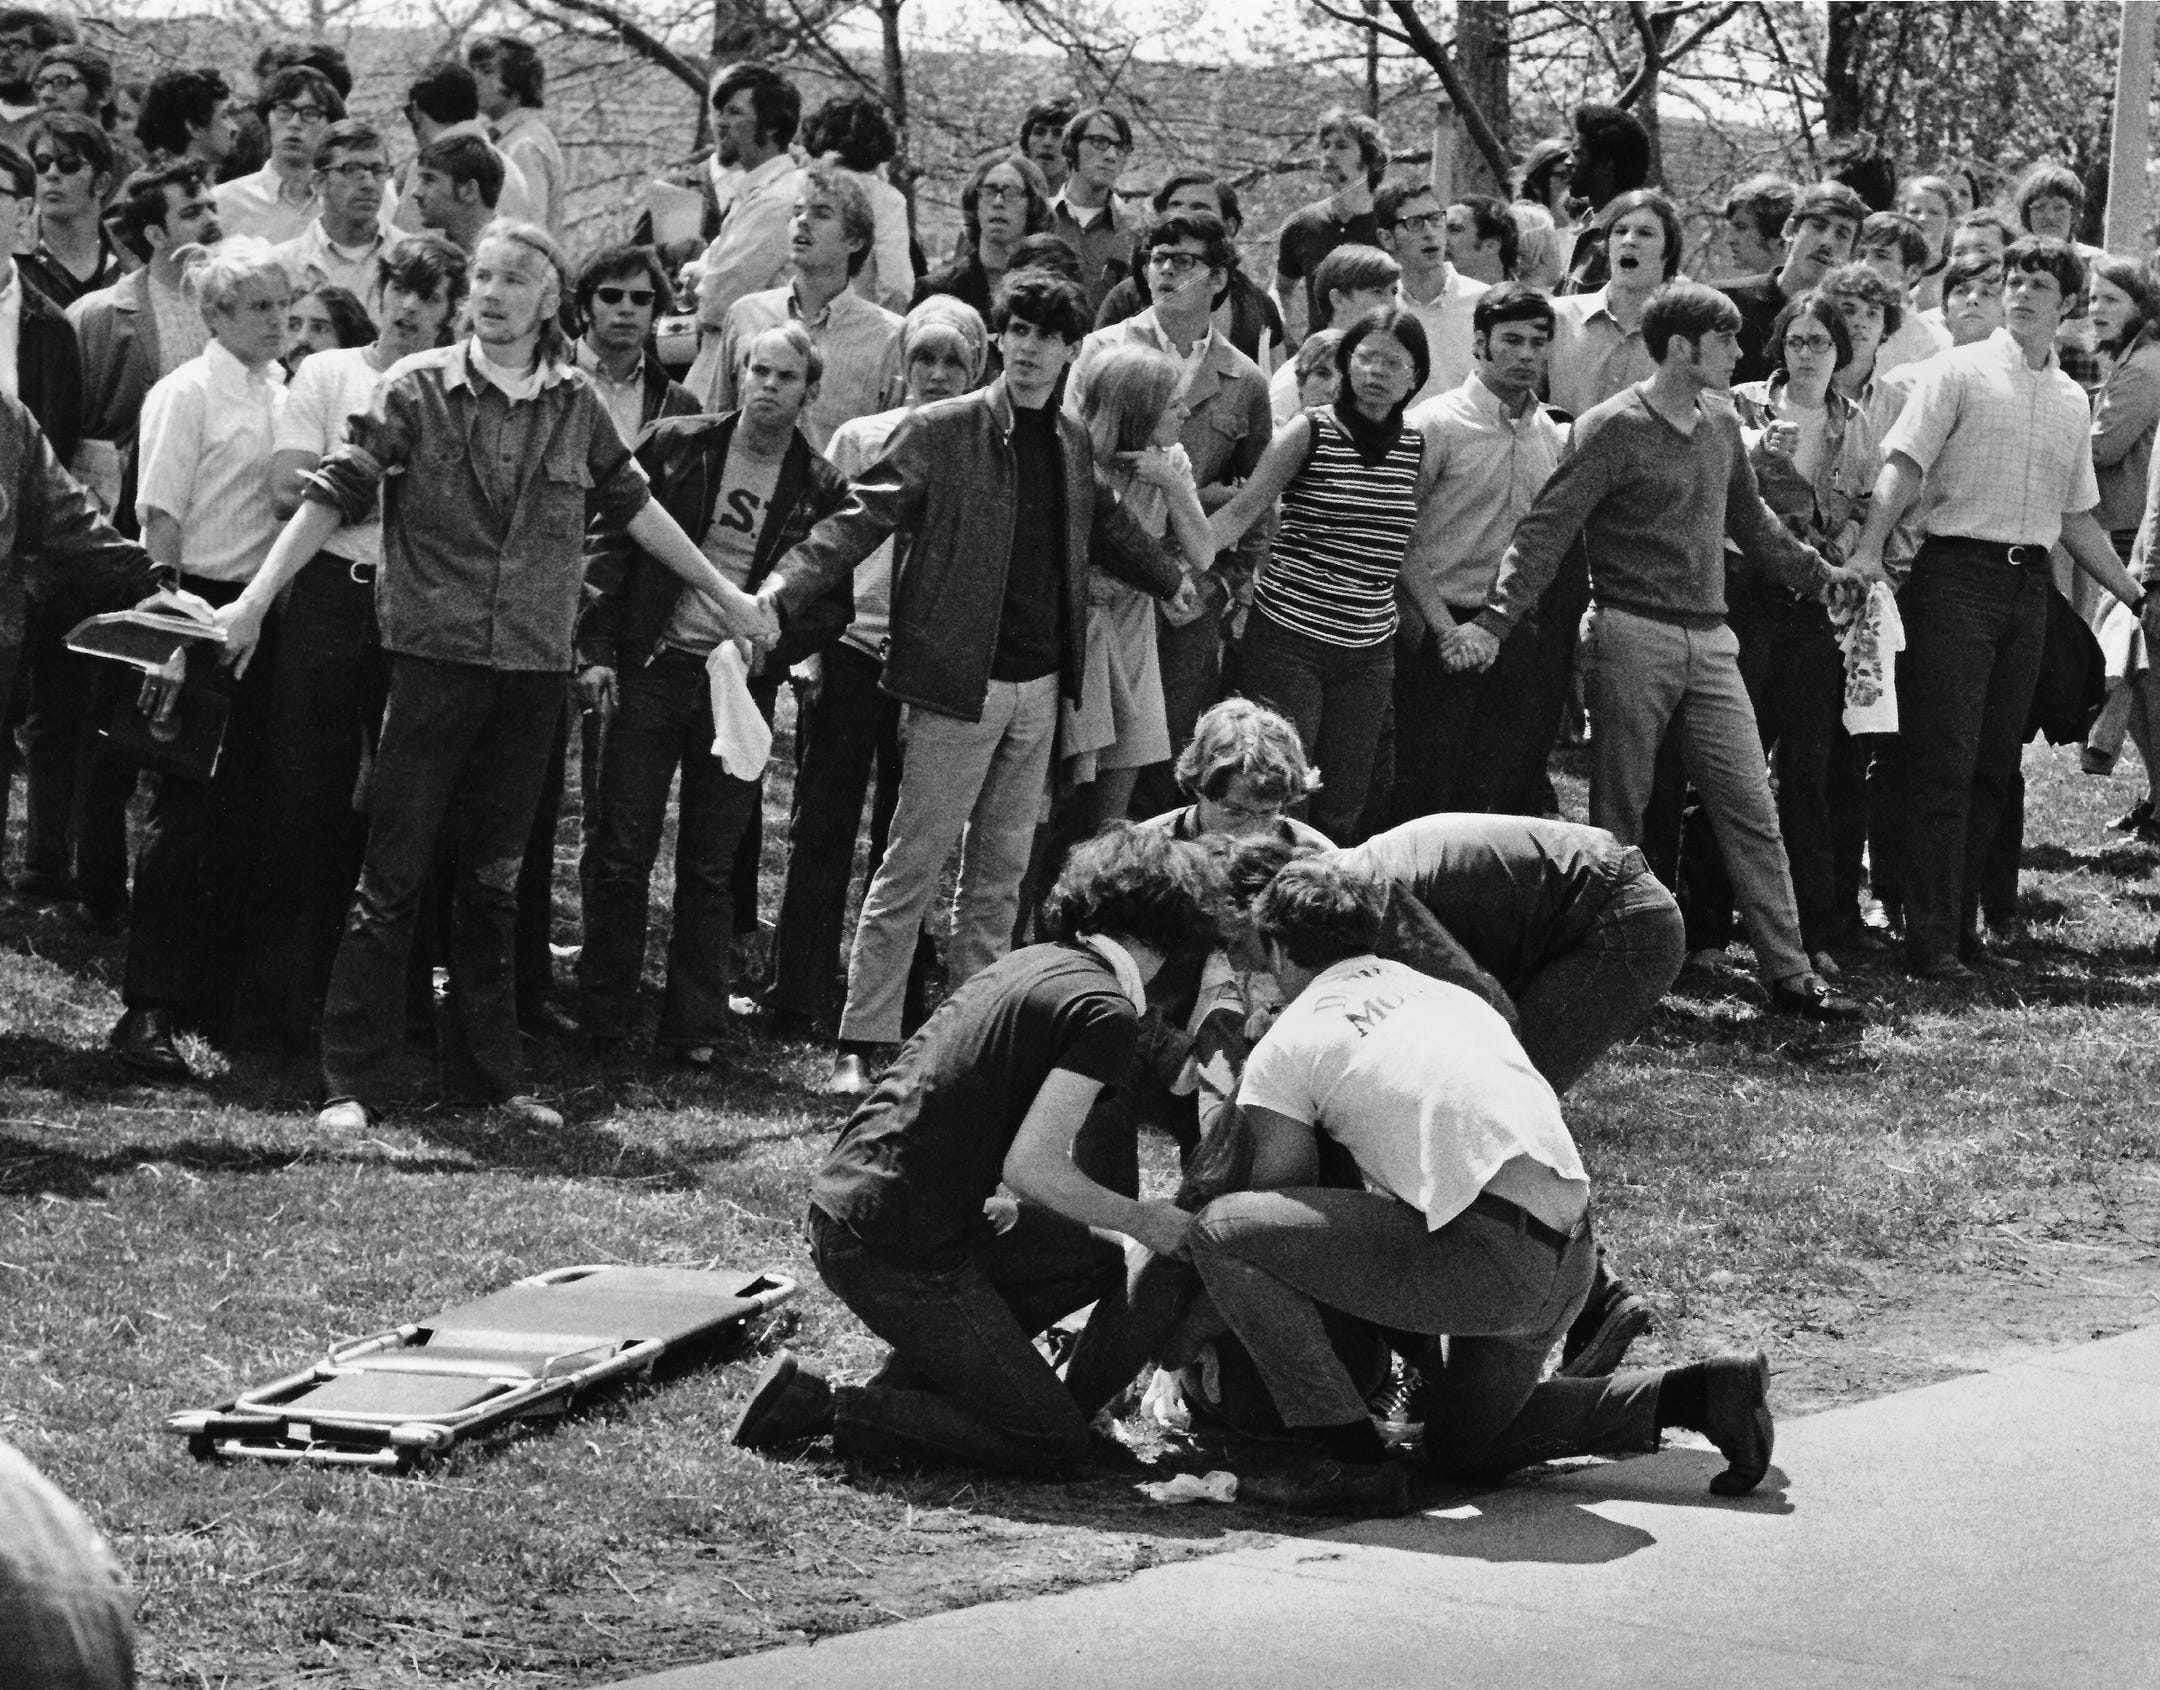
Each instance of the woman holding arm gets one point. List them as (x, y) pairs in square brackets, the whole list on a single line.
[(2125, 413), (1319, 644)]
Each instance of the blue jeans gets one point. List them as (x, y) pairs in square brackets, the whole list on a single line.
[(850, 726), (1974, 627), (464, 752), (1337, 697), (1600, 988), (964, 1380), (1501, 1298), (664, 720), (326, 707)]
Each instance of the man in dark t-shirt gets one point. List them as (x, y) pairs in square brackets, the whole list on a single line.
[(994, 1089), (1353, 159)]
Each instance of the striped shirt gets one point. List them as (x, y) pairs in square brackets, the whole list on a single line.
[(1339, 547)]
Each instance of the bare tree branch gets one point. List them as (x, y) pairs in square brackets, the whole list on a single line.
[(691, 73)]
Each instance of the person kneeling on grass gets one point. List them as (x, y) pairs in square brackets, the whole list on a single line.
[(995, 1086), (1474, 1225)]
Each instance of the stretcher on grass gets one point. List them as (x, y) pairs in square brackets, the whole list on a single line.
[(410, 1393)]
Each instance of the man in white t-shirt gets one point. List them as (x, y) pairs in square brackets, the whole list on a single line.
[(1473, 1225)]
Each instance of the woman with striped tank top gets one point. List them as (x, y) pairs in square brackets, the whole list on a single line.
[(1320, 642)]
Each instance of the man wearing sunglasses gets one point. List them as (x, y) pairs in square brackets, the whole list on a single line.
[(619, 292), (278, 201), (75, 253), (343, 244)]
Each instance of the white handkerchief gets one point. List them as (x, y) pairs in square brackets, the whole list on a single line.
[(742, 738), (1872, 640)]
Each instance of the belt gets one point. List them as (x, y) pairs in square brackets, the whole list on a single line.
[(1522, 1220), (2018, 556), (361, 574)]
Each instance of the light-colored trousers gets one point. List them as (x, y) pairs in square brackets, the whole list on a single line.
[(987, 778)]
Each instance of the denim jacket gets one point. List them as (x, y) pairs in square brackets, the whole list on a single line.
[(629, 598), (467, 578), (944, 492), (1831, 510)]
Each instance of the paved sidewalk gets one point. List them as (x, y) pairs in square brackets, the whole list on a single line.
[(2000, 1529)]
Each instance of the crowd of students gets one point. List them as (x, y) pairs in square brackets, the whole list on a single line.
[(1099, 528)]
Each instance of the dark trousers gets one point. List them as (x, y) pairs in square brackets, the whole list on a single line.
[(198, 870), (964, 1381), (1974, 626), (663, 720), (1336, 696), (326, 706), (840, 734), (533, 959), (1479, 740), (55, 694), (464, 751), (1795, 678), (1190, 659)]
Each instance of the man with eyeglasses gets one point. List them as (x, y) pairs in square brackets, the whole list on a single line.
[(343, 244), (1413, 231), (1085, 213), (25, 33), (1187, 259), (618, 293), (277, 202)]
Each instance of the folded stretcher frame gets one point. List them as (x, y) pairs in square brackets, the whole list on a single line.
[(412, 1392)]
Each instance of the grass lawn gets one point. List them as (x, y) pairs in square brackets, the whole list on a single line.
[(1980, 1169)]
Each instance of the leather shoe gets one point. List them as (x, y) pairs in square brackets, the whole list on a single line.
[(1324, 1485), (144, 1039), (850, 1077), (1812, 1000), (788, 1405), (1736, 1417), (1612, 1318)]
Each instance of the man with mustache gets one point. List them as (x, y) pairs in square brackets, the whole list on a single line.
[(1819, 237)]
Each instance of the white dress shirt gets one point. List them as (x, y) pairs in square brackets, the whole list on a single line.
[(860, 341), (1593, 357), (328, 389), (208, 430), (750, 254), (1488, 468), (312, 259), (262, 203), (1446, 317)]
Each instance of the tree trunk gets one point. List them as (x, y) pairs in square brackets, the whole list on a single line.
[(903, 169), (2126, 198), (1372, 62), (1844, 55), (1481, 50)]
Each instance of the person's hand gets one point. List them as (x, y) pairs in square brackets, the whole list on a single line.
[(758, 621), (1002, 1212), (596, 690), (1781, 439), (1151, 464), (242, 622), (1845, 591), (1470, 647), (1162, 1228), (1185, 605)]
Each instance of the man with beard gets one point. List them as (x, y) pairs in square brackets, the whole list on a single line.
[(1818, 238), (1353, 159)]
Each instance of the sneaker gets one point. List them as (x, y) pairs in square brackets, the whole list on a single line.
[(527, 1114), (850, 1077), (1323, 1485), (1811, 999), (1612, 1319), (345, 1116), (1736, 1415), (788, 1405)]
